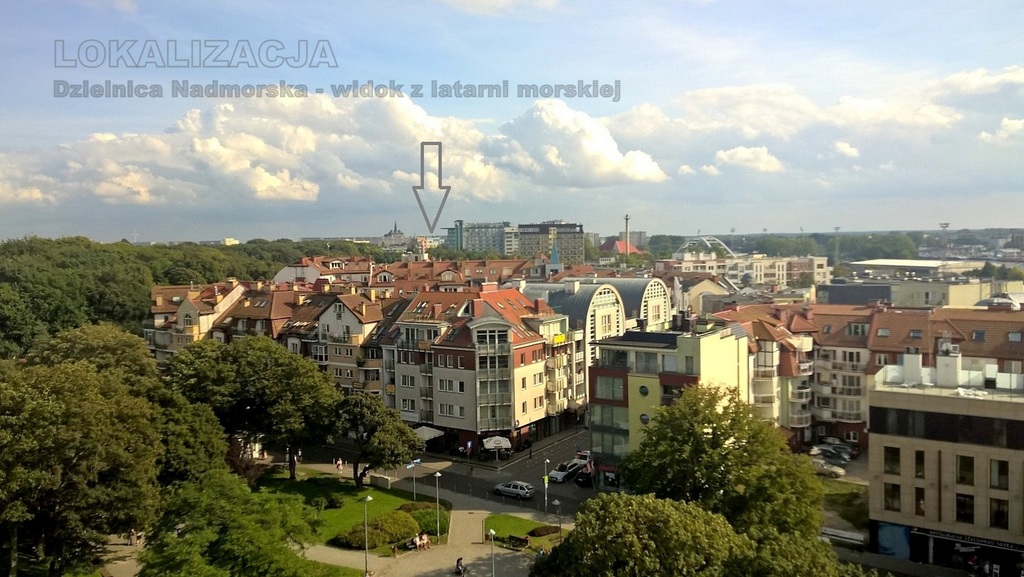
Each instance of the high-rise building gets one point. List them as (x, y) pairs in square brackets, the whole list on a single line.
[(540, 238)]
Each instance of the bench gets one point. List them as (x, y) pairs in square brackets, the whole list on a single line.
[(518, 542)]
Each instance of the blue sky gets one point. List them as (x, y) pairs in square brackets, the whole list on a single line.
[(731, 115)]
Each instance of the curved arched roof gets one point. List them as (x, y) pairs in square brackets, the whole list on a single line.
[(631, 290), (575, 305)]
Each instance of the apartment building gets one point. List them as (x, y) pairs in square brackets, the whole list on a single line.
[(543, 237), (478, 364), (946, 461), (639, 372), (749, 269), (182, 315)]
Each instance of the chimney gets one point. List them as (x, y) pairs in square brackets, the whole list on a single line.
[(372, 293), (437, 310), (572, 286), (362, 309), (159, 300)]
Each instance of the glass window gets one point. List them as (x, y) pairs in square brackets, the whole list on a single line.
[(999, 514), (964, 508), (644, 391), (919, 501), (608, 388), (964, 470), (892, 497), (892, 460), (919, 464), (999, 474)]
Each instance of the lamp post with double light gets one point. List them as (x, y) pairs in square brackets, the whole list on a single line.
[(437, 502), (366, 536)]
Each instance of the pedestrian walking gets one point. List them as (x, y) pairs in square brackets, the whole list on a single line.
[(131, 536)]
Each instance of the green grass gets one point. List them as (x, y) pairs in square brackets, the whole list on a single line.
[(315, 569), (312, 483), (848, 500), (506, 525)]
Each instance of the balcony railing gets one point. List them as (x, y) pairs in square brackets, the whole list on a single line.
[(847, 391), (496, 424), (648, 368), (493, 348), (427, 392), (427, 416), (800, 394), (492, 374), (389, 365), (768, 399), (668, 400), (848, 366), (848, 416), (615, 364), (426, 369), (805, 368), (765, 373), (372, 363), (822, 413), (495, 399), (800, 419)]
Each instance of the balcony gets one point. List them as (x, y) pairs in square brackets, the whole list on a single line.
[(427, 392), (763, 400), (855, 367), (848, 416), (372, 363), (805, 368), (557, 407), (372, 386), (800, 419), (800, 394), (765, 373), (648, 368), (389, 365), (426, 369), (668, 400), (847, 391), (413, 344), (495, 424), (345, 338), (615, 364), (494, 399), (822, 413), (426, 416), (493, 349), (493, 374)]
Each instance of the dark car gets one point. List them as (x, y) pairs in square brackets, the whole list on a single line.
[(834, 458), (585, 479)]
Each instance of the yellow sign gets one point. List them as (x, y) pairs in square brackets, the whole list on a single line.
[(389, 389), (558, 339)]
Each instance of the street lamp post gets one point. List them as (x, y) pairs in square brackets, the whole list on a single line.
[(558, 509), (491, 533), (366, 536), (546, 462), (437, 502)]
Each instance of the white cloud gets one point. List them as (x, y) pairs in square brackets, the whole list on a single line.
[(710, 169), (981, 81), (846, 149), (756, 158), (1008, 128), (493, 7), (772, 109), (686, 169), (887, 166)]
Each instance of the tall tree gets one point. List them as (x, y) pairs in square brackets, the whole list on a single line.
[(708, 449), (217, 527), (193, 440), (258, 390), (618, 535), (381, 437), (77, 461)]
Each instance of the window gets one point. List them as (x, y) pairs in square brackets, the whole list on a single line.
[(189, 321), (919, 501), (857, 329), (449, 410), (524, 384), (337, 351), (408, 381), (882, 360), (964, 508), (320, 353), (915, 333), (460, 363), (610, 417), (892, 497), (688, 364), (826, 330), (448, 360), (538, 402), (1015, 337), (919, 464), (644, 391), (608, 388), (882, 332), (892, 460), (978, 336), (408, 404), (964, 470), (999, 513), (999, 474), (524, 407), (852, 436)]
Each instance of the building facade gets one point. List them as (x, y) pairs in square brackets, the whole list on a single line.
[(542, 237)]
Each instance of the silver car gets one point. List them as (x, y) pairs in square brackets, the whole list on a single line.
[(827, 469), (517, 489)]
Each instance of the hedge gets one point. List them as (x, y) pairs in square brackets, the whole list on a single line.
[(391, 527), (427, 519), (543, 530)]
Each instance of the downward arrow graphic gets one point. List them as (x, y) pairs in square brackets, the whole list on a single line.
[(423, 175)]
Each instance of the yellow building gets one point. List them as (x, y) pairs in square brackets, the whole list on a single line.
[(640, 372)]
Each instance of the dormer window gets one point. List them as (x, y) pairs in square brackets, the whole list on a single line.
[(915, 333), (189, 321)]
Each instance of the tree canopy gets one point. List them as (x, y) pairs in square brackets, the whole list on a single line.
[(258, 390), (708, 449), (382, 439)]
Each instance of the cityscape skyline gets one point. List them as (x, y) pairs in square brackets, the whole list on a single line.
[(690, 116)]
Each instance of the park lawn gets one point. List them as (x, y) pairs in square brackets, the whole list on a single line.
[(315, 569), (848, 500), (506, 525), (313, 483)]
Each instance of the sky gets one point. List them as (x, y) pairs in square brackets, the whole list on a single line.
[(692, 116)]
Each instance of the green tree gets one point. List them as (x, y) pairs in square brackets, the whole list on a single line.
[(217, 527), (77, 461), (619, 535), (19, 322), (258, 390), (708, 449), (193, 441), (381, 437)]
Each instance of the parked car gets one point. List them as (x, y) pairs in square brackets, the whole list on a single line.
[(517, 489), (834, 450), (834, 458), (827, 469), (853, 450), (566, 471), (585, 479)]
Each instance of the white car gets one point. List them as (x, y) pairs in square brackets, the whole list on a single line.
[(827, 469), (566, 471)]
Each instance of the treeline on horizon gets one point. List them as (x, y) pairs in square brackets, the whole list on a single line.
[(48, 285)]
